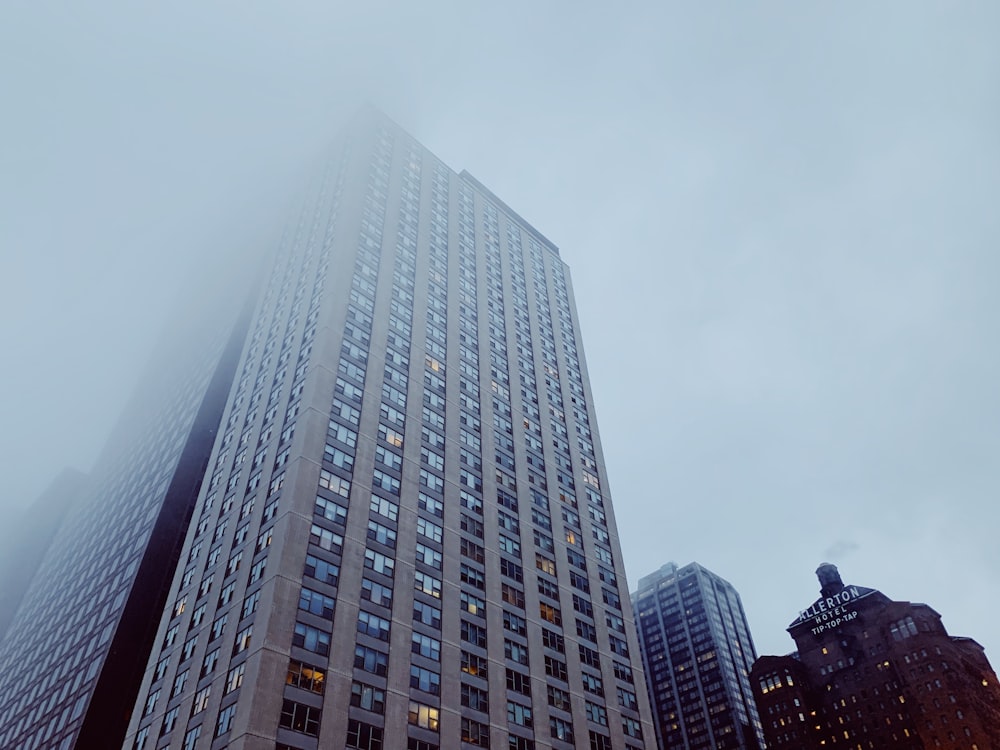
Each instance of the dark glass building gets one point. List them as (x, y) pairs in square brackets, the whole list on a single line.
[(404, 537), (697, 651), (104, 550), (874, 673)]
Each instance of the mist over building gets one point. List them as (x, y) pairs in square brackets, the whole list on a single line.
[(398, 533), (697, 651), (103, 548), (871, 672)]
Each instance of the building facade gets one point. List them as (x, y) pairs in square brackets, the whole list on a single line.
[(404, 538), (72, 658), (873, 673), (697, 652)]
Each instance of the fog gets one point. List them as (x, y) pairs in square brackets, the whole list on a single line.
[(781, 223)]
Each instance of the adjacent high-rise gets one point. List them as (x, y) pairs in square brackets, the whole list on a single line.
[(404, 537), (697, 651), (872, 673), (97, 560)]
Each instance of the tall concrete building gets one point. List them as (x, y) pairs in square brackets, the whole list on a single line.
[(697, 652), (873, 673), (87, 570), (404, 537)]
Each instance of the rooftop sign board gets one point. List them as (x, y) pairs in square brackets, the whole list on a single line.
[(829, 612)]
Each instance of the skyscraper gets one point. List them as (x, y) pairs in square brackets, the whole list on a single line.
[(72, 657), (871, 672), (697, 652), (404, 537)]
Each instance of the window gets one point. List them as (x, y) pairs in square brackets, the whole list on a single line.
[(472, 576), (473, 604), (364, 736), (512, 595), (514, 623), (475, 698), (424, 716), (472, 550), (551, 614), (250, 605), (475, 733), (518, 682), (515, 652), (371, 660), (426, 646), (474, 664), (381, 534), (311, 639), (330, 510), (321, 570), (301, 675), (169, 721), (553, 640), (384, 507), (208, 663), (623, 672), (368, 697), (586, 630), (379, 563), (593, 684), (225, 722), (597, 714), (544, 564), (427, 583), (559, 698), (429, 530), (326, 539), (555, 668), (513, 571), (316, 603), (373, 625), (218, 627), (300, 718), (426, 614), (179, 682), (627, 699), (580, 582), (576, 559), (431, 505), (385, 481), (376, 593), (201, 700), (428, 556), (473, 634), (472, 525), (519, 714), (561, 729), (425, 680), (631, 727)]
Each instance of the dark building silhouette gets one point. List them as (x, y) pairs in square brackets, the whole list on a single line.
[(25, 539), (697, 652), (873, 673), (88, 596)]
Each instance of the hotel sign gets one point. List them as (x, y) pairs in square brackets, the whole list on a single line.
[(830, 612)]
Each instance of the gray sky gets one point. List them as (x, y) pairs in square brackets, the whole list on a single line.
[(781, 220)]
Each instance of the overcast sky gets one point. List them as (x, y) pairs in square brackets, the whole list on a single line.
[(782, 219)]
